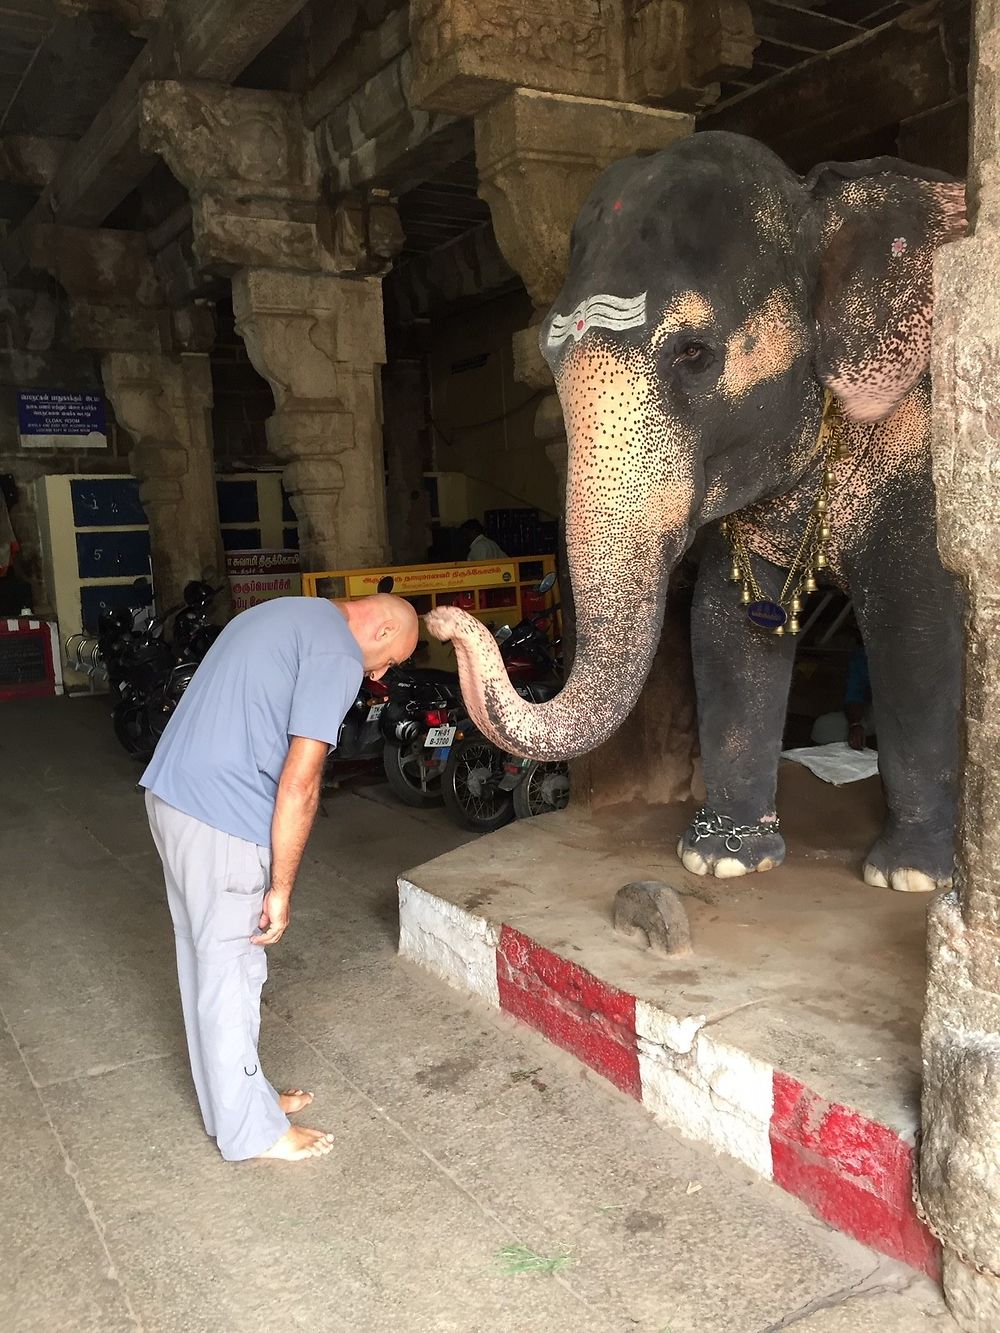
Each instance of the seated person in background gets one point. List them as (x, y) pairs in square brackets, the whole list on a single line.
[(856, 723), (481, 547)]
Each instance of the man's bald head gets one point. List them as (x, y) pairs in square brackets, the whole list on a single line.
[(386, 629)]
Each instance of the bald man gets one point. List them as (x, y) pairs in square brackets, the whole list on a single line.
[(231, 794)]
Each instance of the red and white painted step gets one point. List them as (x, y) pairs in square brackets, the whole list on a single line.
[(849, 1170)]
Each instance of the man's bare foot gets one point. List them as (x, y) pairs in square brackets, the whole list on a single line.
[(296, 1144), (294, 1099)]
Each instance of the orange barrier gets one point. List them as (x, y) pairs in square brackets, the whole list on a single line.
[(496, 592)]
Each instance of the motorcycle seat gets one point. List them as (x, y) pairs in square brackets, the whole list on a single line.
[(432, 675), (540, 691)]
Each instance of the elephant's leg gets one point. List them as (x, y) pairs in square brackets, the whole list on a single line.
[(742, 676), (909, 610)]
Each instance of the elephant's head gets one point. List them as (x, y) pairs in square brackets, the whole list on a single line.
[(711, 295)]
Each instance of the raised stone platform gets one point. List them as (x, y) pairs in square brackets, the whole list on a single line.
[(789, 1038)]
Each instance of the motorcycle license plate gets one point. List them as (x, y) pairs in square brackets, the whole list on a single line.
[(440, 737), (375, 712)]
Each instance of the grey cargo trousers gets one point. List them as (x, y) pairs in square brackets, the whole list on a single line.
[(215, 888)]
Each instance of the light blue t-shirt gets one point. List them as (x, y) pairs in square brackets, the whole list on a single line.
[(288, 667)]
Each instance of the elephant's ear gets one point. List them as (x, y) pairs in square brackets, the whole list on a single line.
[(879, 223)]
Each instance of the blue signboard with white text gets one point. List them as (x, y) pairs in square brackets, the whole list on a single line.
[(58, 419)]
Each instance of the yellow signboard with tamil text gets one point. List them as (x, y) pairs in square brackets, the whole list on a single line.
[(440, 578)]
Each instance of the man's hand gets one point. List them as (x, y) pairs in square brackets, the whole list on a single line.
[(856, 736), (274, 918)]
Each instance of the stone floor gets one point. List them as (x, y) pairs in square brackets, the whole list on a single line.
[(460, 1136)]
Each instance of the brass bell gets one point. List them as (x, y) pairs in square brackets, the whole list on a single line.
[(821, 505), (821, 560), (829, 477), (735, 573), (793, 625), (809, 582), (824, 532), (796, 605), (745, 595), (778, 631), (725, 527)]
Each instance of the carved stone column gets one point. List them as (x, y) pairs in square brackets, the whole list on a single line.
[(306, 292), (960, 1153), (165, 404), (154, 362), (319, 341)]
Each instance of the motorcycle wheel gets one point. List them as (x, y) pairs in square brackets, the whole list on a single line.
[(471, 795), (132, 729), (544, 788), (407, 774)]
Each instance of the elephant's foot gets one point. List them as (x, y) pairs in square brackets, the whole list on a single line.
[(715, 845), (909, 863)]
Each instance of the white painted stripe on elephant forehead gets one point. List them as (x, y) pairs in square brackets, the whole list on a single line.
[(711, 1092), (598, 312), (454, 944)]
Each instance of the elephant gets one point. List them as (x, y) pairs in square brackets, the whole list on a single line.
[(722, 319)]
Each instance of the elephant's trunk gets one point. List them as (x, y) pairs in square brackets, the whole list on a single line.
[(629, 499)]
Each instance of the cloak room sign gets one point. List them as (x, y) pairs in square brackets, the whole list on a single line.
[(54, 419)]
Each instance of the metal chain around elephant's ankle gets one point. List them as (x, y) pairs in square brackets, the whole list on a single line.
[(709, 824)]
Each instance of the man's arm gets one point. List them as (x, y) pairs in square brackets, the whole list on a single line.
[(294, 811)]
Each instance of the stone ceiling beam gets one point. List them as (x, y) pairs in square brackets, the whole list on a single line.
[(377, 137), (471, 266), (916, 62), (355, 63), (27, 160), (199, 39), (138, 16), (368, 130), (670, 53), (217, 39)]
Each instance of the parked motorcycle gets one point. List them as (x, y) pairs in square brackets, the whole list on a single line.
[(360, 742), (481, 784), (418, 726), (148, 671)]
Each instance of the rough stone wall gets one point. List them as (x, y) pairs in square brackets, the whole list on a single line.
[(243, 400), (35, 354), (407, 457)]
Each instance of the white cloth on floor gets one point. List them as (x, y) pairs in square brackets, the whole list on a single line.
[(837, 763)]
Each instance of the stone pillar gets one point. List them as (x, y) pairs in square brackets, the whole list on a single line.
[(165, 404), (306, 293), (406, 447), (320, 343), (960, 1151), (154, 362)]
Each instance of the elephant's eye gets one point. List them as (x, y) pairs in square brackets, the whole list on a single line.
[(694, 354)]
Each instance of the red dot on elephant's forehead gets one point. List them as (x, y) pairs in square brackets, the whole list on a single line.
[(618, 205), (579, 323)]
